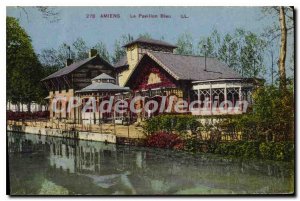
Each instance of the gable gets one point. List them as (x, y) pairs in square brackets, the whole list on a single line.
[(149, 75), (83, 75)]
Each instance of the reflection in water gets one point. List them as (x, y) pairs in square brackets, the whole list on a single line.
[(49, 165)]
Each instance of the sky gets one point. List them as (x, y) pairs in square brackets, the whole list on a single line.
[(74, 23)]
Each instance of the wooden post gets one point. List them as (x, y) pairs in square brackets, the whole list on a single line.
[(225, 97), (90, 127), (65, 124), (128, 124), (100, 122), (210, 97), (114, 118), (100, 116)]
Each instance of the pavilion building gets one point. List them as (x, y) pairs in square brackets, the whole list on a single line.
[(152, 70), (102, 88)]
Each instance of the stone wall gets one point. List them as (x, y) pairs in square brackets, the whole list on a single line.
[(82, 135)]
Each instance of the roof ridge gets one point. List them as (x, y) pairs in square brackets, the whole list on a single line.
[(189, 55), (143, 39), (81, 62)]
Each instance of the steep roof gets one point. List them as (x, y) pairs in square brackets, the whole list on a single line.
[(150, 41), (68, 69), (186, 67)]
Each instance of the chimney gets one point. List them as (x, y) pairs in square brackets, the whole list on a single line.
[(69, 62), (92, 53)]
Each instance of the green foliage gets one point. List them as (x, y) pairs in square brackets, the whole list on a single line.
[(50, 60), (24, 71), (251, 55), (119, 51), (272, 118), (192, 144), (274, 112), (281, 151), (184, 44), (102, 51), (179, 124), (80, 48), (242, 51), (210, 44), (228, 52)]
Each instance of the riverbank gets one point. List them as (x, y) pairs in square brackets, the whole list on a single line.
[(131, 131), (122, 134), (81, 135)]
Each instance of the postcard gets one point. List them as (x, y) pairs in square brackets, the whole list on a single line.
[(156, 101)]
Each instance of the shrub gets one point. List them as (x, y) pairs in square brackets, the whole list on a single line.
[(164, 140), (250, 149), (192, 144), (281, 151), (179, 124), (266, 150), (274, 113)]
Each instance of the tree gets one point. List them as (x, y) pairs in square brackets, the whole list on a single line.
[(102, 51), (282, 55), (228, 52), (81, 49), (184, 44), (282, 29), (206, 47), (251, 55), (56, 59), (274, 112), (24, 70), (49, 58), (243, 51), (210, 44), (119, 51)]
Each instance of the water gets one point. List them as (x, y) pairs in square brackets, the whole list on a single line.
[(49, 165)]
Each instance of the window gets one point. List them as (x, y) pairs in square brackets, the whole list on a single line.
[(218, 96), (233, 95), (204, 96)]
